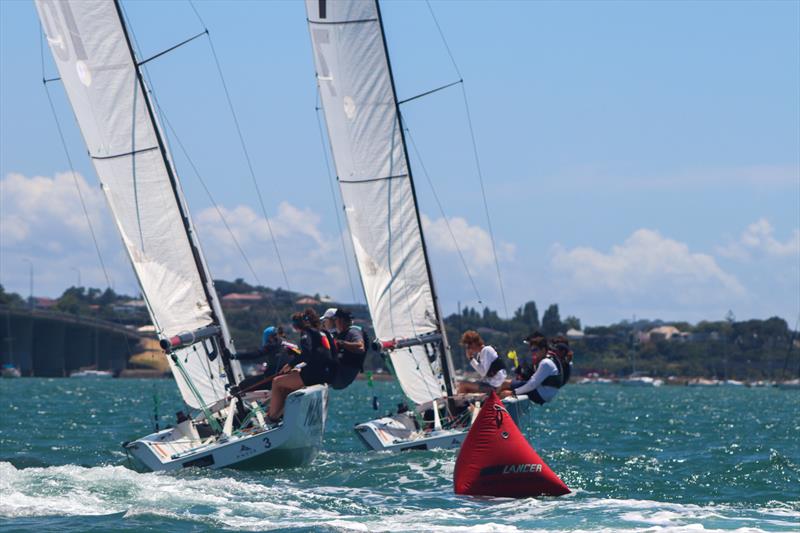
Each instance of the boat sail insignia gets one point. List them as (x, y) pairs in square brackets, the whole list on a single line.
[(91, 47), (365, 131)]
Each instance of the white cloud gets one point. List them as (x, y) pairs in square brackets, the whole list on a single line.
[(758, 239), (647, 265), (41, 220), (473, 241)]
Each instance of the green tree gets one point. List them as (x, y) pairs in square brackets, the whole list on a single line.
[(551, 321), (572, 322), (528, 315)]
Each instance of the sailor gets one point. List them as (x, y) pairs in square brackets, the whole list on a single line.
[(278, 353), (328, 321), (552, 372), (351, 350), (316, 358), (485, 361)]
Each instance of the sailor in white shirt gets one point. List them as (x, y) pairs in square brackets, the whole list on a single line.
[(485, 361), (552, 373)]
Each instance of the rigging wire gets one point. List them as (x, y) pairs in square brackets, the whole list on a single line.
[(333, 198), (441, 211), (72, 167), (210, 196), (244, 146), (45, 80), (475, 153)]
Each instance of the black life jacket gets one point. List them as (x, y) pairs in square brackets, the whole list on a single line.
[(564, 371), (496, 366), (354, 359)]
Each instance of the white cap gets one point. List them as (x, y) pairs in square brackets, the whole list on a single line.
[(329, 313)]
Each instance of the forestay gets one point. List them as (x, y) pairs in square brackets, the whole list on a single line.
[(364, 130), (97, 67)]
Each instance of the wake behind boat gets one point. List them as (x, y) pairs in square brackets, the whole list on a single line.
[(365, 131), (91, 47)]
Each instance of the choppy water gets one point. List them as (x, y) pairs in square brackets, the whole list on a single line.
[(671, 458)]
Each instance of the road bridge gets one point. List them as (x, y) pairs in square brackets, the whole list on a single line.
[(52, 344)]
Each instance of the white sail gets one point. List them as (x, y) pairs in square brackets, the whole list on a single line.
[(364, 130), (92, 51)]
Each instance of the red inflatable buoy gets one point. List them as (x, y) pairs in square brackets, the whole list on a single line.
[(497, 460)]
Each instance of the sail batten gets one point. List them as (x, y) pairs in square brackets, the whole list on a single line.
[(369, 153), (108, 95)]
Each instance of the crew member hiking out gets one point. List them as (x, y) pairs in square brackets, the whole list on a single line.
[(278, 353), (351, 344), (314, 366), (552, 372), (485, 361)]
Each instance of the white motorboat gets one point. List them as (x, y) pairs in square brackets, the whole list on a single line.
[(641, 381), (89, 373), (105, 85), (367, 139), (10, 371)]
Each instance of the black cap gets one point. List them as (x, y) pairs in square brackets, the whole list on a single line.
[(344, 314), (535, 335)]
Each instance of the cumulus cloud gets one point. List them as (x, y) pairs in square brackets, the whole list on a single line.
[(312, 259), (473, 241), (41, 211), (647, 265), (758, 239), (42, 221)]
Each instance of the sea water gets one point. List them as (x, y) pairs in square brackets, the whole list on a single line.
[(642, 459)]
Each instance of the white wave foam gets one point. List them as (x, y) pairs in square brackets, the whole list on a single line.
[(252, 502)]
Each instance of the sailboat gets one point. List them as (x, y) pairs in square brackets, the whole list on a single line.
[(91, 46), (362, 114)]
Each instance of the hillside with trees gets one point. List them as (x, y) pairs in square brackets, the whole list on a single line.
[(725, 349)]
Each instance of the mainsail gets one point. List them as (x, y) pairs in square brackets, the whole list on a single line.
[(365, 132), (94, 56)]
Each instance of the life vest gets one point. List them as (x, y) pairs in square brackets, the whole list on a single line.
[(496, 459), (496, 366), (351, 358), (564, 371)]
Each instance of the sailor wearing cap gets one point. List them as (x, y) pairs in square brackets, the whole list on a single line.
[(552, 371)]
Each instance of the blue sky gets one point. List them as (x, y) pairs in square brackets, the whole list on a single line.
[(640, 158)]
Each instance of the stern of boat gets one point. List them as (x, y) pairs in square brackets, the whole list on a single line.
[(294, 442)]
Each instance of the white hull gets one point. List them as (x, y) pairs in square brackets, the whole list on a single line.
[(641, 382), (92, 374), (399, 433), (295, 442), (11, 372)]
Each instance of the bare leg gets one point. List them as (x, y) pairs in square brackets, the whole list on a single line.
[(282, 386), (465, 387)]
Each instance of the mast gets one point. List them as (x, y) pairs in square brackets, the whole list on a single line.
[(444, 352), (202, 271)]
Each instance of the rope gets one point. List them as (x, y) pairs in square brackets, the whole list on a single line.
[(475, 153), (244, 147), (333, 199), (72, 169), (210, 196), (444, 216)]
